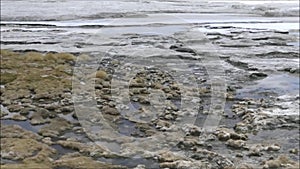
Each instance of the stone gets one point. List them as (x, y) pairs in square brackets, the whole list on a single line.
[(274, 147), (110, 111), (258, 75), (25, 111), (183, 164), (19, 148), (192, 130), (140, 166), (55, 127), (167, 156), (3, 113), (237, 144), (47, 140), (280, 162), (101, 74), (294, 151), (18, 117), (225, 134), (14, 108), (39, 117), (245, 166), (15, 131), (77, 161)]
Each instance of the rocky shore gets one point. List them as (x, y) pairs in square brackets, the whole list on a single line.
[(40, 128), (149, 85)]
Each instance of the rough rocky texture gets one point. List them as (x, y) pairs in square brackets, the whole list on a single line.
[(78, 161), (132, 84)]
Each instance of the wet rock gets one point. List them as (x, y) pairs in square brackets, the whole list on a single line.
[(255, 150), (15, 108), (214, 159), (237, 63), (143, 100), (19, 144), (294, 151), (167, 156), (77, 161), (47, 140), (192, 130), (184, 49), (52, 106), (280, 162), (25, 111), (27, 165), (55, 128), (19, 149), (33, 56), (258, 75), (273, 147), (295, 70), (224, 134), (16, 94), (6, 102), (189, 142), (40, 116), (110, 110), (7, 77), (237, 144), (3, 112), (161, 124), (101, 74), (182, 164), (92, 149), (245, 166), (136, 84), (66, 109), (15, 131), (239, 155), (140, 166), (44, 95), (18, 117), (241, 127)]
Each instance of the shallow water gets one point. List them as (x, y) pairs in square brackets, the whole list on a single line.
[(24, 124), (273, 85)]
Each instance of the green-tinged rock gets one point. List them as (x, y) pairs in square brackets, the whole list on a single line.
[(55, 128), (77, 161), (7, 77), (15, 131), (19, 148)]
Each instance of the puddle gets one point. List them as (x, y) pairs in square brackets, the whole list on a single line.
[(6, 161), (293, 44), (284, 26), (61, 150), (127, 128), (24, 124), (230, 120), (144, 30), (274, 85)]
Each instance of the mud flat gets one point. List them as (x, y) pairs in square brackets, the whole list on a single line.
[(174, 84)]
